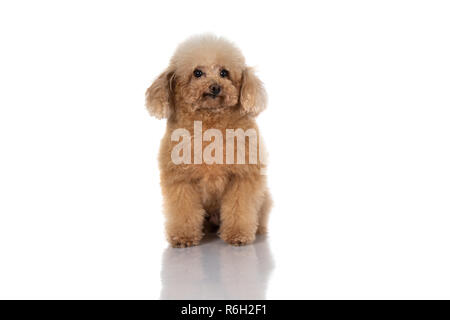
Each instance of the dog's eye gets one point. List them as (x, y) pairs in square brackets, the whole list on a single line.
[(224, 73), (198, 73)]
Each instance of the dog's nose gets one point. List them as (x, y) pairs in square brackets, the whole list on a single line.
[(214, 89)]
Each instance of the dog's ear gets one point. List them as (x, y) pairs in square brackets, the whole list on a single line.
[(253, 95), (158, 96)]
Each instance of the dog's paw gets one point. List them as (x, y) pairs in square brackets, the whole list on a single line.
[(183, 241), (237, 239)]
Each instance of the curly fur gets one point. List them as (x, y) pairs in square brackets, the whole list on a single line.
[(235, 196)]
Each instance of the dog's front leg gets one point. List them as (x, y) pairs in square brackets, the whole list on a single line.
[(184, 214), (239, 211)]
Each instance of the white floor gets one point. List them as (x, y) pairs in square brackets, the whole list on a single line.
[(215, 270), (123, 259)]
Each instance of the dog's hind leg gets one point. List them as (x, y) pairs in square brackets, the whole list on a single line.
[(263, 214)]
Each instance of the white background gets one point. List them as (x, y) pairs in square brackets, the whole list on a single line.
[(357, 130)]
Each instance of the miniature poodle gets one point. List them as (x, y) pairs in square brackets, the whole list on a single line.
[(207, 93)]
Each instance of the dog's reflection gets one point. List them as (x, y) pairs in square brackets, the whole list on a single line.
[(216, 270)]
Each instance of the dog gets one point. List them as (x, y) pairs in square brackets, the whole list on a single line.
[(206, 92)]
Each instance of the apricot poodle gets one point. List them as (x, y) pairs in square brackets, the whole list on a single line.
[(207, 93)]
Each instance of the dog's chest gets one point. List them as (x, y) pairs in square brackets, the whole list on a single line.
[(211, 187)]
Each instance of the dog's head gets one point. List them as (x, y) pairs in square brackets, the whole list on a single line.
[(206, 73)]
